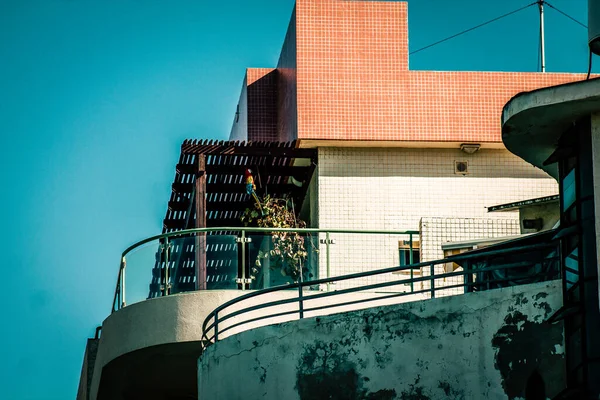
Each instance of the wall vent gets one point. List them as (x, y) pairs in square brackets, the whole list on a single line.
[(461, 167)]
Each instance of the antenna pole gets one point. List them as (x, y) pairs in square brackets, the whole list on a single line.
[(542, 41)]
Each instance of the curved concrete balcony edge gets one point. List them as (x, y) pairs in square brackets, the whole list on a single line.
[(164, 320), (532, 122)]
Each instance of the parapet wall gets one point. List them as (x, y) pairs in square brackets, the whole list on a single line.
[(479, 345)]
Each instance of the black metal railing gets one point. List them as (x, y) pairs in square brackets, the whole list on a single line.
[(481, 271)]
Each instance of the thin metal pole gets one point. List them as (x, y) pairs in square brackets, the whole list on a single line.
[(410, 261), (432, 273), (542, 37), (216, 326), (300, 299), (123, 266), (167, 251), (327, 258), (243, 260)]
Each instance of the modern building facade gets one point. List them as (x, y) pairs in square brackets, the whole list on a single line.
[(397, 148), (386, 164)]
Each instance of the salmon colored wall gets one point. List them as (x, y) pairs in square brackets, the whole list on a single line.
[(343, 74), (354, 82)]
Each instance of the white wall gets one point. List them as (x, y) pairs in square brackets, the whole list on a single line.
[(392, 189), (395, 188)]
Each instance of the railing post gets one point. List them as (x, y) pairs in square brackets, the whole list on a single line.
[(243, 260), (216, 326), (410, 261), (167, 257), (468, 278), (327, 242), (123, 266), (300, 298), (432, 274)]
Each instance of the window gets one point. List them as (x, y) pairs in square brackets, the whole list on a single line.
[(404, 252)]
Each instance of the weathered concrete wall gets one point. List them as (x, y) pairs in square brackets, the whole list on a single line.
[(477, 346), (131, 334)]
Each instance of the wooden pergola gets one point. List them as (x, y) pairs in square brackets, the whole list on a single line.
[(209, 191)]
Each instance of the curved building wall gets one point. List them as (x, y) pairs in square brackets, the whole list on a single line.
[(477, 346)]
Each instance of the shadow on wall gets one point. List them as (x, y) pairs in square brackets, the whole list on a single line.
[(423, 163), (262, 108)]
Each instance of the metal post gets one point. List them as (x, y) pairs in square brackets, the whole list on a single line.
[(300, 298), (123, 266), (216, 326), (468, 277), (542, 38), (432, 273), (243, 260), (410, 261), (167, 254), (327, 242), (117, 299)]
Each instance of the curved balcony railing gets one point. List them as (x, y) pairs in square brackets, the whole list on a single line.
[(519, 264), (238, 258)]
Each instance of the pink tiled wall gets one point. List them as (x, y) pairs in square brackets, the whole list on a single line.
[(354, 82), (343, 75)]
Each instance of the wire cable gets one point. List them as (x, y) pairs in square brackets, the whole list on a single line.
[(473, 28), (565, 14)]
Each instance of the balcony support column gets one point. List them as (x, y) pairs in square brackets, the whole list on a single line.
[(200, 222)]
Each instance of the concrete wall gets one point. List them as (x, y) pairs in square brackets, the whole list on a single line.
[(154, 322), (477, 346), (549, 213), (155, 337)]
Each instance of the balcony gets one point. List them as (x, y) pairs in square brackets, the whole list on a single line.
[(179, 292)]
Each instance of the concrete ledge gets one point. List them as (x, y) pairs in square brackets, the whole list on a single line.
[(532, 122), (170, 329), (172, 319), (482, 345)]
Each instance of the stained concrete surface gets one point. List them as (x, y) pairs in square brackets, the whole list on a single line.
[(487, 345)]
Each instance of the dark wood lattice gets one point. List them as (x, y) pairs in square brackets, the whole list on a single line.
[(209, 182)]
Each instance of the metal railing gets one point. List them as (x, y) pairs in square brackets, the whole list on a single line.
[(229, 256), (484, 271)]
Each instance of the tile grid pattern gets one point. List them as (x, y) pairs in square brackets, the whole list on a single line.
[(262, 104), (437, 231), (353, 81), (392, 189)]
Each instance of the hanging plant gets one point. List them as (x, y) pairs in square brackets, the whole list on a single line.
[(288, 253)]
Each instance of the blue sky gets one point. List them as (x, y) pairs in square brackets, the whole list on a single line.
[(95, 100)]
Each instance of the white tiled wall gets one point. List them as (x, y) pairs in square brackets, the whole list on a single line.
[(437, 231), (392, 189)]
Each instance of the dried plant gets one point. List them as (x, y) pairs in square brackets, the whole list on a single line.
[(288, 253)]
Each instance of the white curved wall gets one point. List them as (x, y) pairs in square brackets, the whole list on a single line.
[(171, 319), (178, 318)]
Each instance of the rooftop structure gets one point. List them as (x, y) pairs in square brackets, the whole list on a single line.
[(393, 170), (343, 79)]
